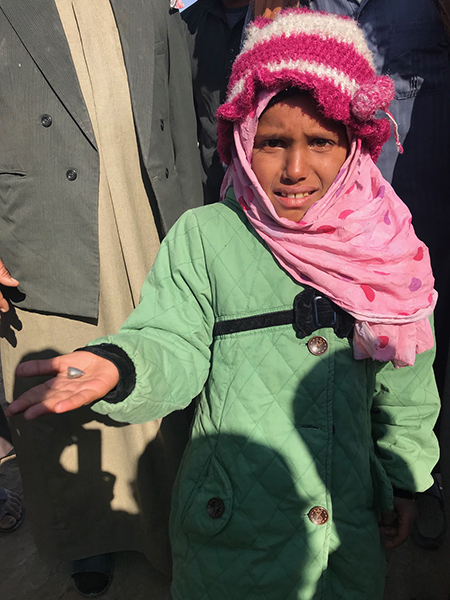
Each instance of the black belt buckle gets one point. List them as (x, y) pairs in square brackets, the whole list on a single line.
[(315, 313)]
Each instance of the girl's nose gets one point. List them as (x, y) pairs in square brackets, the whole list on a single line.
[(296, 164)]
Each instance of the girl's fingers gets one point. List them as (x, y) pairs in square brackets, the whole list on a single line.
[(45, 408), (70, 404), (33, 368), (49, 402), (26, 401), (36, 410)]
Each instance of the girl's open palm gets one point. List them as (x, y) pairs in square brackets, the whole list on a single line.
[(61, 394)]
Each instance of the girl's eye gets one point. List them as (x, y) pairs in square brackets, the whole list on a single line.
[(272, 143), (321, 143)]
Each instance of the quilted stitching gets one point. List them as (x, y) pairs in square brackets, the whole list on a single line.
[(290, 430)]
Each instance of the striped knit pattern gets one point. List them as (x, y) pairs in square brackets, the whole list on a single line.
[(326, 54)]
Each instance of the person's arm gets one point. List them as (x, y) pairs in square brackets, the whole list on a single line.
[(166, 339), (404, 412)]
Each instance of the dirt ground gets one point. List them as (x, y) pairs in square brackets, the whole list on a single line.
[(24, 576)]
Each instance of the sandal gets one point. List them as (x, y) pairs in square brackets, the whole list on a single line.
[(92, 576), (430, 528), (11, 511)]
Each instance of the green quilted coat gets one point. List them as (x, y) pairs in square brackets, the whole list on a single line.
[(292, 454)]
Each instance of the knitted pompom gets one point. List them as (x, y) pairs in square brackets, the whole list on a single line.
[(375, 133), (372, 96)]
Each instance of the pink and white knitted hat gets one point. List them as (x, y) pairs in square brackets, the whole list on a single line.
[(323, 53)]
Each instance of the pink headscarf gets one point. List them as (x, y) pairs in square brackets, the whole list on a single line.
[(356, 245)]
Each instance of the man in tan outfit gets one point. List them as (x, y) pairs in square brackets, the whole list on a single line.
[(98, 158)]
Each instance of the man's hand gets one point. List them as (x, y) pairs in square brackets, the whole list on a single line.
[(396, 525), (61, 393), (5, 279)]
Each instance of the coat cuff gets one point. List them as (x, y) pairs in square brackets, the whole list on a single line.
[(398, 493), (125, 366)]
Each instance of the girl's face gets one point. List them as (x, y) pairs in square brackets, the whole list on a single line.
[(297, 154)]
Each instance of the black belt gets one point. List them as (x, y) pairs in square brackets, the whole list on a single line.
[(312, 310)]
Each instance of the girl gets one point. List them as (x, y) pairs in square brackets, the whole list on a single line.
[(287, 307)]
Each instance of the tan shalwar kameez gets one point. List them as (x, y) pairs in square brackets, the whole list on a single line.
[(91, 487)]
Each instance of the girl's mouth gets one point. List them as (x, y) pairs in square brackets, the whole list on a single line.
[(294, 196)]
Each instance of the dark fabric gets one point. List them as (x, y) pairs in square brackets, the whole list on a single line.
[(213, 46), (274, 319), (311, 311), (48, 219), (398, 493), (125, 366), (234, 15)]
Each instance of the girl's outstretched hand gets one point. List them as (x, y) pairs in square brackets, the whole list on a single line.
[(61, 394)]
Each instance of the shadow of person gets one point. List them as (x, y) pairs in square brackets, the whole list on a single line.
[(370, 423), (73, 497), (152, 488), (244, 521), (245, 506), (238, 524)]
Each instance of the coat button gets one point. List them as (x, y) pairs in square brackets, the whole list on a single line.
[(167, 173), (317, 345), (46, 120), (318, 515), (215, 508), (161, 124), (71, 174)]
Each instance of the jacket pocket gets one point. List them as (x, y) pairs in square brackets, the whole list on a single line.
[(13, 185), (12, 173), (382, 487), (210, 503), (418, 59)]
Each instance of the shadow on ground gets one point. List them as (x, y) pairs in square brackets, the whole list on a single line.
[(24, 576), (413, 573)]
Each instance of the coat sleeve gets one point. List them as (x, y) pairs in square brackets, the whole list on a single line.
[(168, 336), (404, 412)]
